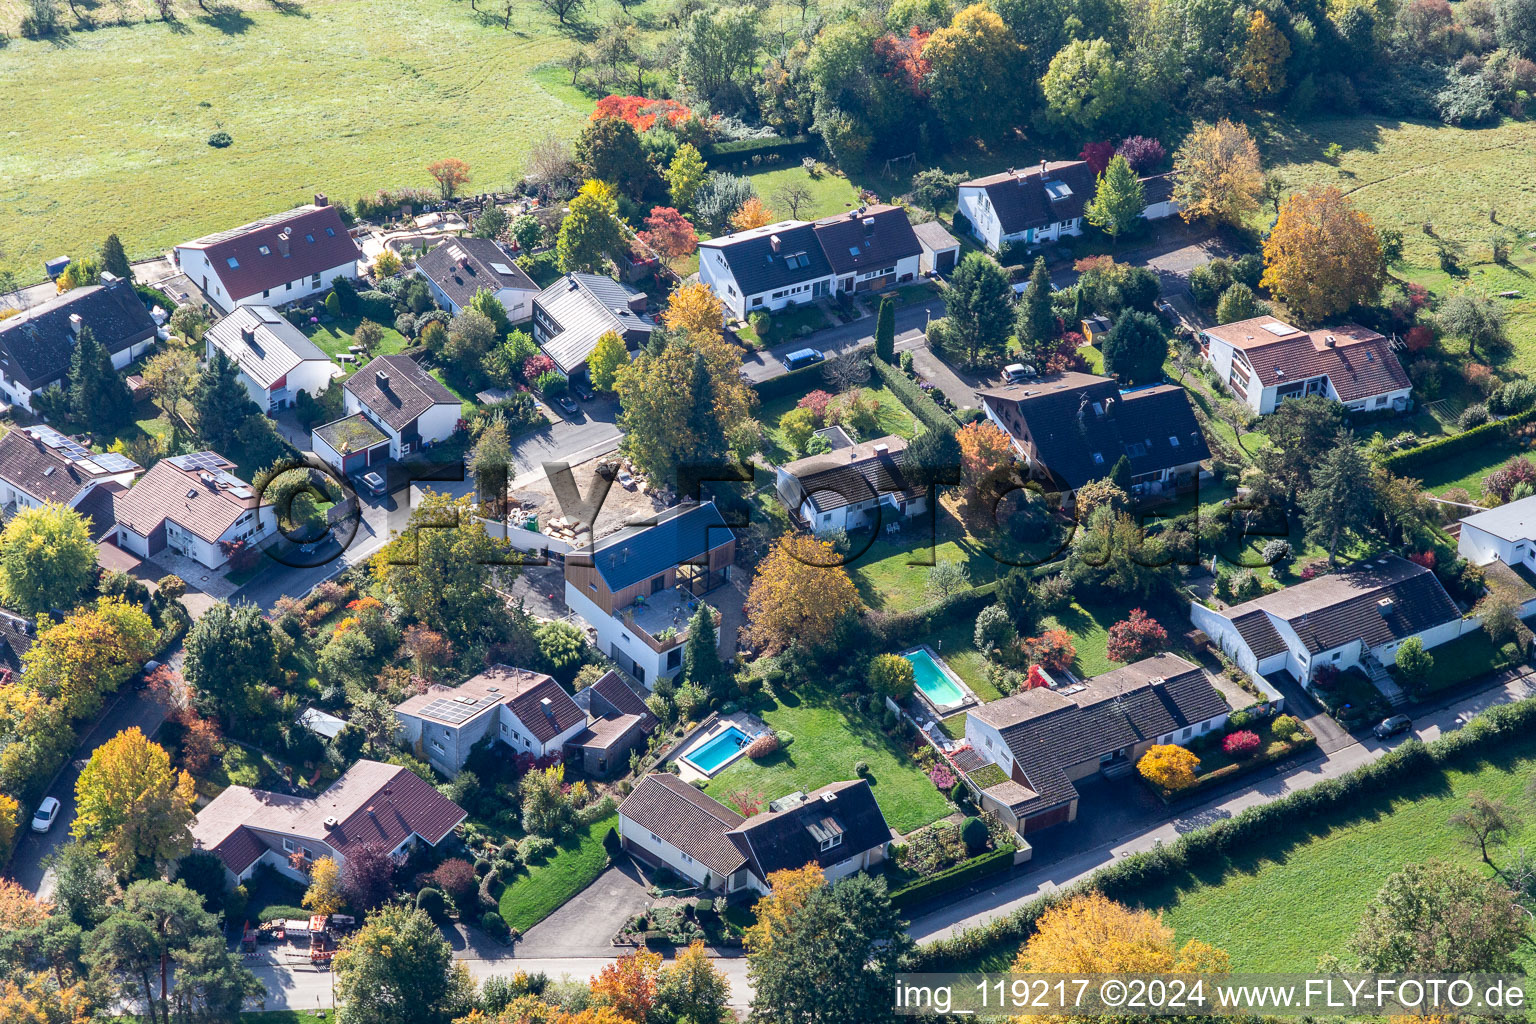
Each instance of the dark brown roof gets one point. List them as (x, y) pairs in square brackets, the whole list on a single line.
[(870, 238), (405, 805), (405, 392), (1331, 611), (611, 695), (1358, 362), (463, 266), (848, 476), (173, 489), (791, 838), (36, 345), (43, 472), (1070, 418), (17, 634), (1259, 633), (100, 507), (240, 849), (300, 242), (685, 819), (1021, 200)]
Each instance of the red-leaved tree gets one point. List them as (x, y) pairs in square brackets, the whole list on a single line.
[(1241, 743), (1098, 155), (1052, 650), (669, 233), (1135, 637), (640, 112)]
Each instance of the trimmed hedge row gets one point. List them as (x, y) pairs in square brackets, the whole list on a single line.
[(738, 150), (1133, 876), (794, 382), (912, 396), (888, 629), (952, 878), (1405, 462)]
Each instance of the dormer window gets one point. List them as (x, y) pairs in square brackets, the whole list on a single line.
[(831, 841)]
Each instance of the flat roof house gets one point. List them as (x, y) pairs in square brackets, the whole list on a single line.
[(853, 487), (193, 505), (405, 402), (1348, 619), (39, 465), (278, 259), (36, 345), (1044, 203), (351, 445), (573, 313), (1506, 535), (638, 587), (667, 822), (1071, 428), (1045, 739), (1266, 361), (276, 360), (458, 269), (526, 710), (373, 804)]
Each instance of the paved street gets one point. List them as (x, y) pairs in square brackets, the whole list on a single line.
[(911, 323)]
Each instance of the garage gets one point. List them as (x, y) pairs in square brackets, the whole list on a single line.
[(350, 445), (941, 250)]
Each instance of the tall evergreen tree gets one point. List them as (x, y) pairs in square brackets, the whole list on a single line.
[(1118, 201), (701, 652), (1036, 325), (114, 259), (221, 402), (933, 457), (1135, 349), (1120, 474), (1340, 503), (885, 332), (708, 436), (979, 301), (98, 397)]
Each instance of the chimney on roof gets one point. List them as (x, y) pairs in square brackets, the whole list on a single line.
[(248, 335), (549, 708), (882, 449), (282, 242), (321, 200), (1043, 171), (1330, 341), (382, 378), (775, 241), (869, 226), (75, 323), (107, 277)]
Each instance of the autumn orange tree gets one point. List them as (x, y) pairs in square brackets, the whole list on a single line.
[(1092, 934), (799, 594), (1218, 173), (131, 805), (628, 985), (10, 813), (90, 654), (1323, 256), (788, 891), (985, 449), (450, 173), (39, 999), (19, 908), (1168, 765), (691, 989), (694, 310), (751, 214), (669, 233)]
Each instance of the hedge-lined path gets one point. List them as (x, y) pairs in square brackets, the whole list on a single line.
[(1032, 879)]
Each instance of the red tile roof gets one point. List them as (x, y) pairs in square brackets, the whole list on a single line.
[(1359, 362), (300, 242), (171, 491)]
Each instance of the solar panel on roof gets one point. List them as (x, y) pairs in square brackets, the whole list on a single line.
[(113, 462)]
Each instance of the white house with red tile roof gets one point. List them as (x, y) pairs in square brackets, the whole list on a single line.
[(1265, 361), (276, 260), (372, 804), (193, 505)]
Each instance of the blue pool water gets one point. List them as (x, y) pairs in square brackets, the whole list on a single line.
[(940, 690), (709, 757)]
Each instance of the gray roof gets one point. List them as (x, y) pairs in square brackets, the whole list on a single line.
[(933, 236), (792, 837), (463, 266), (1513, 522), (867, 238), (263, 343), (36, 346), (397, 389), (776, 256), (685, 819), (679, 535), (584, 307)]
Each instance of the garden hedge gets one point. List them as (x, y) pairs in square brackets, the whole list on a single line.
[(738, 150), (801, 381), (890, 630), (912, 396), (952, 878), (1129, 879), (1405, 462)]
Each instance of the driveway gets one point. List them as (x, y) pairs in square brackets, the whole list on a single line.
[(274, 579), (587, 922), (1331, 736), (596, 432), (1176, 251), (911, 326), (132, 708)]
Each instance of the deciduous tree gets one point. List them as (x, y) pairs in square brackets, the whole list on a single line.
[(1169, 766), (230, 654), (751, 214), (1323, 256), (972, 65), (694, 310), (88, 655), (799, 594), (1413, 662), (367, 876), (1437, 917), (1475, 317), (590, 231), (1262, 68), (398, 969), (662, 421), (669, 233), (1136, 636), (1135, 348), (172, 376), (608, 149), (324, 895), (607, 359), (1087, 85), (1485, 822), (132, 805), (685, 175), (47, 559), (691, 989), (1092, 934), (629, 985), (450, 173), (1218, 176)]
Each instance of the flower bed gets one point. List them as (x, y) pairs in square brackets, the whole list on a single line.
[(1218, 764)]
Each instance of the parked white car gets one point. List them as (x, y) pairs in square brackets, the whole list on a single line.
[(47, 814)]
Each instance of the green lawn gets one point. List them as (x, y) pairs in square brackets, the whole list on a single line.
[(830, 193), (1466, 470), (534, 895), (785, 325), (335, 337), (887, 578), (391, 88), (288, 1017), (827, 745), (893, 417), (1467, 657)]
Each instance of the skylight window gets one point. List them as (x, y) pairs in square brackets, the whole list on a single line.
[(309, 238), (234, 264), (331, 232), (264, 250)]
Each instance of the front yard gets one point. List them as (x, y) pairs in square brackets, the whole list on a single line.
[(786, 325), (540, 890), (828, 742)]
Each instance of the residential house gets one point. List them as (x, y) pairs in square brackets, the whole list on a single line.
[(1266, 361), (1503, 540), (372, 804), (404, 401), (1070, 428), (794, 262), (1044, 204), (460, 268), (852, 487), (279, 259), (668, 823), (941, 250), (17, 634), (351, 445), (1047, 738), (276, 360), (573, 313), (36, 345), (194, 506), (1355, 618), (526, 710), (617, 722), (39, 465), (637, 588)]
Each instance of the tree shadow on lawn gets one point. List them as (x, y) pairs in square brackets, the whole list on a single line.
[(1284, 140), (230, 21)]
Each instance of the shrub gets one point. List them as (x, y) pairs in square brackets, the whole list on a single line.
[(942, 776), (1472, 416), (890, 675), (220, 140), (456, 877), (973, 831), (861, 768), (763, 746), (482, 867), (492, 923), (430, 900), (1135, 637), (1277, 551), (785, 739), (1286, 727), (1169, 766), (1242, 743), (536, 849)]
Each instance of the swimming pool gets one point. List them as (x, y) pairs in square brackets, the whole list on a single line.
[(718, 751), (934, 681)]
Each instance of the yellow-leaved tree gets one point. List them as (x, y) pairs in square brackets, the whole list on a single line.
[(10, 812), (799, 594), (19, 908), (1169, 765), (609, 355), (1263, 65), (788, 891), (1218, 173), (131, 806), (90, 654), (680, 405), (39, 999), (1323, 256), (694, 310), (324, 895), (751, 214)]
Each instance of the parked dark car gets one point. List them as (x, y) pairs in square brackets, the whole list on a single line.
[(582, 390), (801, 358), (1392, 726)]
